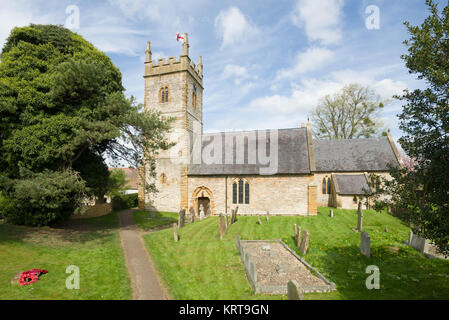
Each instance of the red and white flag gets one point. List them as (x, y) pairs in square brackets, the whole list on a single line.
[(179, 37)]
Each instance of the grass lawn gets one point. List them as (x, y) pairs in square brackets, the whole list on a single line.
[(91, 244), (158, 219), (200, 266)]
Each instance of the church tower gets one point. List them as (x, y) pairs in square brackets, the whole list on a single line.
[(175, 88)]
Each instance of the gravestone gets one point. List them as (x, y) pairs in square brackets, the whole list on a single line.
[(233, 215), (304, 242), (410, 237), (331, 214), (222, 226), (258, 219), (208, 212), (182, 218), (298, 236), (226, 220), (191, 215), (268, 215), (359, 217), (175, 232), (294, 291), (365, 244), (201, 212)]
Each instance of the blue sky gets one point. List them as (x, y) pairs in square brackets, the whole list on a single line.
[(266, 63)]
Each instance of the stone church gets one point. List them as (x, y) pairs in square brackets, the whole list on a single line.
[(285, 171)]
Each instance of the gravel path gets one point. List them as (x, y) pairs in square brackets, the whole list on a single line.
[(144, 280), (268, 260)]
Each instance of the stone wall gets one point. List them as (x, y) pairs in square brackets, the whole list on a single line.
[(97, 210), (277, 194)]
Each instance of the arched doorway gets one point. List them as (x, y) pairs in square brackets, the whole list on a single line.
[(202, 195), (205, 202)]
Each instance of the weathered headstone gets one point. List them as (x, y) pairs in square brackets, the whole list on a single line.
[(365, 244), (222, 226), (208, 212), (359, 217), (201, 212), (175, 232), (410, 237), (182, 218), (298, 236), (304, 242), (233, 215), (331, 214), (226, 220), (386, 229), (191, 215), (294, 291), (258, 219), (268, 215), (237, 243)]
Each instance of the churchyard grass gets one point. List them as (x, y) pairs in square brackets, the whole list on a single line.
[(200, 266), (158, 219), (91, 244)]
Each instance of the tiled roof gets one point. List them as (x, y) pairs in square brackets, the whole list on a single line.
[(351, 184), (353, 155), (292, 156)]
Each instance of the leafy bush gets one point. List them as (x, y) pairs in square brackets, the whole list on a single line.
[(44, 198), (126, 201)]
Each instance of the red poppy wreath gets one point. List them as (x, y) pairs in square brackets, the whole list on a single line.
[(30, 276)]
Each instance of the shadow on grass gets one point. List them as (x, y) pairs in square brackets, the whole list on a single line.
[(404, 274), (65, 233)]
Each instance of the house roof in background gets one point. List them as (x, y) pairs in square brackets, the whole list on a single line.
[(131, 175)]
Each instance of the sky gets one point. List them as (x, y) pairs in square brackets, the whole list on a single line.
[(266, 63)]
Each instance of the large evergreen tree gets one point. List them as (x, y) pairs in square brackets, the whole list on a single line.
[(62, 108), (420, 194)]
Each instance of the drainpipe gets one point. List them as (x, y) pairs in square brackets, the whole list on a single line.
[(226, 195)]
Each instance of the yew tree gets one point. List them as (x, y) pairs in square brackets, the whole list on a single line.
[(62, 111)]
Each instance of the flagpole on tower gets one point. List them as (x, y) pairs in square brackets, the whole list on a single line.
[(185, 45)]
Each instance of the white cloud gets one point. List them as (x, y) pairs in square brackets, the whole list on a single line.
[(21, 13), (310, 60), (305, 96), (238, 73), (139, 8), (320, 19), (234, 28)]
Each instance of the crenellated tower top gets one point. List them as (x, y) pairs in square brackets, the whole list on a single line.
[(174, 64)]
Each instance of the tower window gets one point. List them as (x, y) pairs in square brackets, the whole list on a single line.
[(163, 93), (194, 99), (163, 178)]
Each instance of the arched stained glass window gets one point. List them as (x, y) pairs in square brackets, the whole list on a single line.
[(234, 192)]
